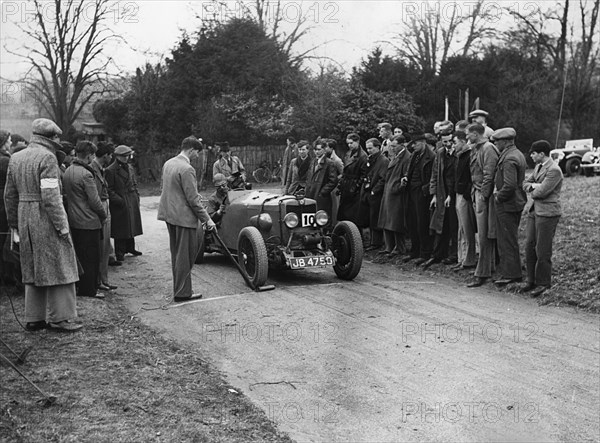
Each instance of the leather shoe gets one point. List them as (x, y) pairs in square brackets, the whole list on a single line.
[(372, 248), (479, 281), (539, 291), (36, 325), (503, 281), (430, 262), (120, 258), (449, 260), (109, 286), (98, 295), (420, 261), (134, 252), (113, 262), (527, 287), (64, 326), (182, 299), (103, 287), (408, 258)]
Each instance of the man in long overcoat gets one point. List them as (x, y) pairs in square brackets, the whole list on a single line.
[(417, 179), (355, 169), (484, 160), (392, 215), (443, 221), (37, 217), (181, 208), (321, 179), (371, 193), (126, 220), (510, 201), (330, 145)]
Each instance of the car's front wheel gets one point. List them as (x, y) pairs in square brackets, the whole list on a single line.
[(572, 166), (252, 255), (348, 250)]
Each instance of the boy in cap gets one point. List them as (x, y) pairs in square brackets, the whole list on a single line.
[(39, 223), (181, 208)]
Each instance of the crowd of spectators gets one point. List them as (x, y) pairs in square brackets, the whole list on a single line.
[(454, 196), (56, 224)]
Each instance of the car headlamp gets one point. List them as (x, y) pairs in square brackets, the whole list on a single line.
[(321, 218), (291, 220)]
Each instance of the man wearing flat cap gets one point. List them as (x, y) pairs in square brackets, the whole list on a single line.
[(480, 116), (39, 223), (510, 200), (124, 198), (180, 207)]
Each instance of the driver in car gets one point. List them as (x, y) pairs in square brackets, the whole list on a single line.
[(230, 166), (219, 200)]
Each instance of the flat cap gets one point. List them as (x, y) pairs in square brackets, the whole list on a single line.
[(478, 113), (219, 179), (45, 127), (385, 125), (503, 134), (123, 150), (416, 136)]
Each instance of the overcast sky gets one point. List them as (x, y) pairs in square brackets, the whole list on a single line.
[(344, 31)]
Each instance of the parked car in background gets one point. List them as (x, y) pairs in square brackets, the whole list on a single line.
[(590, 162), (570, 157)]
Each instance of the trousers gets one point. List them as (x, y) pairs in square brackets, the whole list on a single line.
[(183, 243), (50, 303), (538, 248)]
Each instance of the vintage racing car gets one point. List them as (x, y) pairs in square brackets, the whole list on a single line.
[(267, 230)]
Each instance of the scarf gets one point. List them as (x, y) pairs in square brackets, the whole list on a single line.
[(303, 166)]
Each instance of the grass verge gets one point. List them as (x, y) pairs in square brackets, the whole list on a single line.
[(118, 380)]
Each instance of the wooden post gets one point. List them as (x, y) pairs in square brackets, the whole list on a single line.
[(446, 108), (467, 104)]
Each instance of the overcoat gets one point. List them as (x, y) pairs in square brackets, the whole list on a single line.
[(438, 187), (34, 206), (510, 174), (293, 182), (372, 190), (484, 160), (392, 215), (546, 197), (321, 179), (124, 201), (85, 210), (355, 169)]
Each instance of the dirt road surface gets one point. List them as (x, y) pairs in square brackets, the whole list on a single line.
[(391, 356)]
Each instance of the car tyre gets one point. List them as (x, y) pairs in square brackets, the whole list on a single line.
[(348, 250), (201, 245), (572, 166), (252, 255)]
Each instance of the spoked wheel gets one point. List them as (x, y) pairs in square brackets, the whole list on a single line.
[(348, 250), (262, 175), (252, 255)]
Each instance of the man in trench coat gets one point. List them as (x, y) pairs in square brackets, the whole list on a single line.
[(37, 219), (126, 220)]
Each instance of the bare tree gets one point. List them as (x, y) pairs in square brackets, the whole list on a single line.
[(435, 31), (65, 51)]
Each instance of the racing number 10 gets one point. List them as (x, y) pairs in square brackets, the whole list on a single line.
[(308, 220)]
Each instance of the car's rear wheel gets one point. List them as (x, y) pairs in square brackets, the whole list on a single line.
[(348, 250), (573, 166), (201, 245), (252, 255)]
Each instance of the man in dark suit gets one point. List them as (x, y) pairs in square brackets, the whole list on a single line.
[(321, 179), (510, 200), (544, 187), (180, 207), (126, 220)]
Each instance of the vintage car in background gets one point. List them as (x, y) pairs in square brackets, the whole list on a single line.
[(570, 157), (590, 162), (267, 230)]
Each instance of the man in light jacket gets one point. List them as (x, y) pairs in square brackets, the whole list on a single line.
[(544, 187), (180, 207)]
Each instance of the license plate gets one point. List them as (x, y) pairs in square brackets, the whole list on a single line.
[(307, 262)]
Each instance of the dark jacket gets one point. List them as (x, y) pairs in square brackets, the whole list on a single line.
[(355, 169), (372, 190), (510, 174), (321, 179), (442, 184), (124, 201), (419, 170), (85, 209), (463, 174)]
